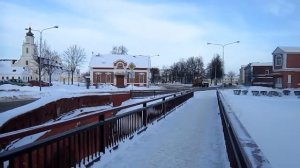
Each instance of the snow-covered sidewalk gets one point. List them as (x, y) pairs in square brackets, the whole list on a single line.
[(191, 136)]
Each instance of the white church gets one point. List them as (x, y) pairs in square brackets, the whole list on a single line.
[(27, 68)]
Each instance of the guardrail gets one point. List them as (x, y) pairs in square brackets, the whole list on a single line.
[(85, 145), (242, 150), (146, 93)]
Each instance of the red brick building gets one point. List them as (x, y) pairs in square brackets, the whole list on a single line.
[(258, 74), (119, 70), (286, 67)]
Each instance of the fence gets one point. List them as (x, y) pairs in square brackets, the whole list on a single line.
[(242, 151), (145, 93), (84, 145)]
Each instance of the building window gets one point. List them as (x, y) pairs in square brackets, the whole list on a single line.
[(279, 81), (13, 78), (278, 60), (14, 70), (2, 77), (98, 77), (26, 62), (120, 65), (108, 78), (267, 72), (7, 78), (142, 77), (26, 50)]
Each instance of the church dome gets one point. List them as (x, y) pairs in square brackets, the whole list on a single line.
[(29, 33)]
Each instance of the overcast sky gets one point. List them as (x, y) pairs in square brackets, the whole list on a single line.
[(171, 28)]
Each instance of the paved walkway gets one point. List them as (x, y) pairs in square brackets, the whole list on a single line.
[(8, 105), (189, 137)]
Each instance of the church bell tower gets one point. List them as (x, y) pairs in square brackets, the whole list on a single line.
[(28, 46)]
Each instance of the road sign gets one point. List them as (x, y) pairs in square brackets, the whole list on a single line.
[(131, 74)]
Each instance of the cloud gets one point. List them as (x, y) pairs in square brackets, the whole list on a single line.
[(280, 7), (173, 30)]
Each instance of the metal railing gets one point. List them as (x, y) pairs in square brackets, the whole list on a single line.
[(85, 145), (146, 93), (242, 150)]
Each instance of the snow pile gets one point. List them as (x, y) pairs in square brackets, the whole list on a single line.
[(273, 122)]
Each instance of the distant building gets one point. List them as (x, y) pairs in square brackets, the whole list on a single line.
[(286, 67), (27, 68), (259, 74), (231, 80), (119, 70), (9, 71), (242, 75)]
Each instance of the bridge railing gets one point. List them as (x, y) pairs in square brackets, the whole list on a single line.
[(242, 150), (85, 145)]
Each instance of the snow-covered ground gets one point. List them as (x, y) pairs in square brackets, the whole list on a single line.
[(10, 92), (58, 91), (191, 136), (48, 94), (273, 122)]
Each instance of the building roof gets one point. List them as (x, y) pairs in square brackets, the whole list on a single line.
[(261, 64), (7, 69), (108, 60), (286, 49)]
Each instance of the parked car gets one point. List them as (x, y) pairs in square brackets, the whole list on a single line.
[(37, 83)]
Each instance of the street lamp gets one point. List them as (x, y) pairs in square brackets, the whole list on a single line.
[(149, 65), (223, 45), (41, 34)]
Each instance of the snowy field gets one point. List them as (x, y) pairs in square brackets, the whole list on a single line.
[(273, 122), (191, 137)]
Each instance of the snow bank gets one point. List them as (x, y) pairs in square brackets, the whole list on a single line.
[(273, 122)]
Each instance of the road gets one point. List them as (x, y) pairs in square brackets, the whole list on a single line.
[(4, 106)]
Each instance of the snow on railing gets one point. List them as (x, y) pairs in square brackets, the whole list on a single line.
[(86, 144), (242, 150)]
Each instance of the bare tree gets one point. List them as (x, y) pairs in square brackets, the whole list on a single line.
[(52, 63), (114, 50), (119, 50), (231, 74), (74, 56), (186, 71), (48, 60)]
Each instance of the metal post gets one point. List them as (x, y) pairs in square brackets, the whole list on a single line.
[(40, 68), (223, 67), (149, 65), (144, 115)]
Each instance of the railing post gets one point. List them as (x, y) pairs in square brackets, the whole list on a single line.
[(144, 115), (164, 107), (101, 134)]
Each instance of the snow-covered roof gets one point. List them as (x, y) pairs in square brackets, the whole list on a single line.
[(286, 49), (108, 60), (7, 69), (261, 64)]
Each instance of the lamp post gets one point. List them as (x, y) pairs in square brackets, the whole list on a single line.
[(149, 65), (223, 45), (41, 34)]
